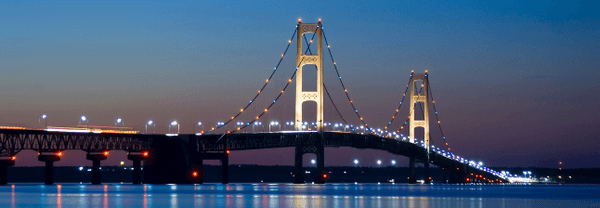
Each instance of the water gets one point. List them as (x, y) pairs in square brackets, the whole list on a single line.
[(290, 195)]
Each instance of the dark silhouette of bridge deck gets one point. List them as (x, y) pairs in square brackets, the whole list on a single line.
[(179, 159)]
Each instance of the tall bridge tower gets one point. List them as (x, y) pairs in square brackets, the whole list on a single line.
[(317, 60), (415, 98)]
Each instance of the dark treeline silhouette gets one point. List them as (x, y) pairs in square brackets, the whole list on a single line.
[(284, 174)]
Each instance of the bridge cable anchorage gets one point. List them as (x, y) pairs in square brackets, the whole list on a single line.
[(280, 93), (264, 85), (343, 86), (436, 114), (400, 105), (326, 91)]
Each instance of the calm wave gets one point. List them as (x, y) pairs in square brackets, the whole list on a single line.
[(290, 195)]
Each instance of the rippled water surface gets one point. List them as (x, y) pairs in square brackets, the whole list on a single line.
[(289, 195)]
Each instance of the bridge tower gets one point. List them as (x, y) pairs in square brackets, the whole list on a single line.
[(415, 98), (317, 60)]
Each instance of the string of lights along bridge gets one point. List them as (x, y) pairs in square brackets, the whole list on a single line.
[(233, 134)]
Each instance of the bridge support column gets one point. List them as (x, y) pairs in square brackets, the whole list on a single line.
[(196, 171), (444, 176), (426, 175), (96, 157), (298, 174), (225, 169), (321, 175), (4, 164), (411, 170), (49, 158), (137, 158)]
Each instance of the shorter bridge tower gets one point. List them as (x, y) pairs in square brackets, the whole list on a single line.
[(415, 98), (317, 60)]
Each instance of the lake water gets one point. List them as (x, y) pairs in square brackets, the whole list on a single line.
[(290, 195)]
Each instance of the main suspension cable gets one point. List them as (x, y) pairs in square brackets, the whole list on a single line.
[(400, 105), (436, 114), (262, 88), (340, 78), (280, 93), (325, 88)]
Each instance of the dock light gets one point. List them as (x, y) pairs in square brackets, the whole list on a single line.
[(150, 122), (105, 153), (145, 154), (119, 120), (173, 123), (195, 174), (324, 175), (122, 163), (59, 154), (13, 158), (393, 162), (355, 161), (227, 151), (83, 118), (313, 161), (378, 162)]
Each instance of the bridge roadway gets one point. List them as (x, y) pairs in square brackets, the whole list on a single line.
[(179, 159)]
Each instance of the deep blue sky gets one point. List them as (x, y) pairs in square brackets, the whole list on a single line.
[(515, 83)]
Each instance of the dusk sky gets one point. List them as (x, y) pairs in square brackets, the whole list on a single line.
[(516, 83)]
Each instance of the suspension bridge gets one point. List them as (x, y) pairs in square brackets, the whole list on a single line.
[(178, 158)]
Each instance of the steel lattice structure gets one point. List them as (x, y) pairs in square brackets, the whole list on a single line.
[(13, 141)]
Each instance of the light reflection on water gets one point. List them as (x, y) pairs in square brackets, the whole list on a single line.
[(289, 195)]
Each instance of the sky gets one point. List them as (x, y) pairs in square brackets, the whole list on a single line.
[(515, 82)]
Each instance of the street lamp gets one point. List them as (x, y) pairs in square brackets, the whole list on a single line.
[(290, 123), (274, 123), (220, 123), (150, 123), (239, 123), (256, 123), (45, 121), (199, 124), (313, 161), (355, 162), (174, 123), (119, 120), (83, 119), (393, 162), (378, 162)]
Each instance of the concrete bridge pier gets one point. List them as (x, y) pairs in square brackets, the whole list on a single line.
[(411, 170), (196, 173), (49, 158), (458, 174), (137, 158), (298, 174), (426, 175), (444, 176), (319, 151), (96, 157), (4, 164)]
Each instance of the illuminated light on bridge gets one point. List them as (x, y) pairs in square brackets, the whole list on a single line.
[(12, 127), (92, 129)]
